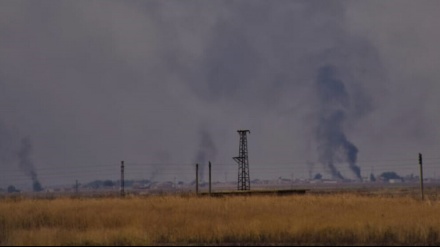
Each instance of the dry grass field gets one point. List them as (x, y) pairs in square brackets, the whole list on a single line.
[(346, 219)]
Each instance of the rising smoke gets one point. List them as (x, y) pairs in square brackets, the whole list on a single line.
[(26, 164), (207, 152), (13, 150), (334, 105), (148, 72)]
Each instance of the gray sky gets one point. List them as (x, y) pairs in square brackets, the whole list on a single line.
[(92, 83)]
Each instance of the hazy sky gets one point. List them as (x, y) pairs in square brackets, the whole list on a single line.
[(91, 83)]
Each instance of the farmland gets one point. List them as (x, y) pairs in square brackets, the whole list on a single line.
[(330, 219)]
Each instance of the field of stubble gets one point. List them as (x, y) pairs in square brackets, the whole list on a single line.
[(345, 219)]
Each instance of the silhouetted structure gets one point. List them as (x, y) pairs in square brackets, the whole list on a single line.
[(421, 175), (197, 179), (122, 179), (244, 182)]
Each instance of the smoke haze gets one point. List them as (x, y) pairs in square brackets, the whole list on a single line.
[(206, 153), (96, 82)]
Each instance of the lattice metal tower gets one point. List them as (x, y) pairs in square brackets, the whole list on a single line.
[(244, 182)]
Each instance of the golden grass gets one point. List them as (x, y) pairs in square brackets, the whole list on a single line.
[(302, 219)]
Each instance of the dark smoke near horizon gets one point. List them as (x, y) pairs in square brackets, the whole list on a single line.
[(26, 164), (207, 152), (334, 104), (96, 82)]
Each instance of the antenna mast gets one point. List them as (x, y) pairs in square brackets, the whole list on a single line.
[(244, 182)]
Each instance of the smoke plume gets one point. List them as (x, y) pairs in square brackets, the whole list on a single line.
[(129, 77), (26, 164), (334, 105), (207, 152)]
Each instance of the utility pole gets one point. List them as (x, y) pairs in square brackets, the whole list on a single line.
[(209, 178), (122, 180), (244, 182), (421, 175), (197, 179)]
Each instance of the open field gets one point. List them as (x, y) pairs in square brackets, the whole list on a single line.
[(343, 218)]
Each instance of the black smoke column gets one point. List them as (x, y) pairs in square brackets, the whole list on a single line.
[(26, 164), (334, 105)]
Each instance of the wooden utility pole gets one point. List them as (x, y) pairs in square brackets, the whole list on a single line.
[(209, 178), (421, 175), (122, 179)]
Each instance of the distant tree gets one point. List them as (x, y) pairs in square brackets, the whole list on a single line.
[(12, 189), (390, 175), (37, 186), (95, 184), (108, 183), (318, 176), (372, 178)]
